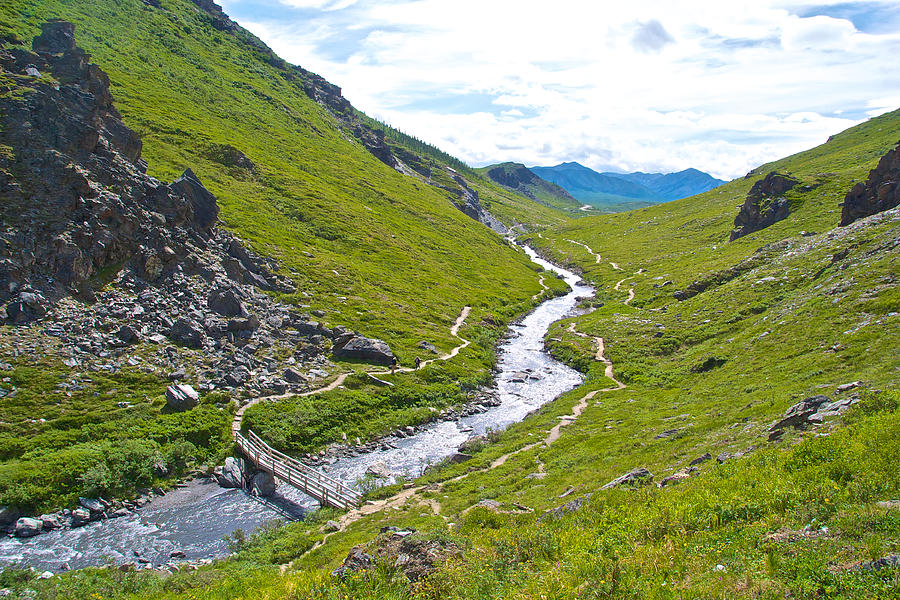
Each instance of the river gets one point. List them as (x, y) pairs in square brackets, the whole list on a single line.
[(195, 519)]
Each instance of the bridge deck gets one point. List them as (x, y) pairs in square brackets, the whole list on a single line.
[(328, 491)]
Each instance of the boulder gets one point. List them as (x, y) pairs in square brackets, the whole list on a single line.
[(181, 397), (50, 521), (459, 457), (358, 347), (293, 376), (262, 484), (568, 507), (798, 415), (27, 527), (92, 504), (80, 516), (880, 192), (332, 526), (187, 332), (357, 560), (379, 469), (227, 303), (231, 475), (637, 477), (127, 334), (701, 459), (206, 211)]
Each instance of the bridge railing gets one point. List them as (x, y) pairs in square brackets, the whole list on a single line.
[(325, 489)]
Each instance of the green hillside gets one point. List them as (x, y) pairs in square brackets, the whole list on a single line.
[(384, 253)]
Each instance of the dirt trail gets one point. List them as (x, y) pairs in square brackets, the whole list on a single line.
[(588, 248), (454, 331), (543, 288), (554, 434)]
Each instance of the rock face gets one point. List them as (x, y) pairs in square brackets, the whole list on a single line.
[(764, 205), (76, 196), (807, 412), (359, 347), (880, 192), (76, 201), (181, 397), (414, 555)]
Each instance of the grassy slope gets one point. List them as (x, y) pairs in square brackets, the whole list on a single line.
[(379, 251)]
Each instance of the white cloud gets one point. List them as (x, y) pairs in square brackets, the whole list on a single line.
[(655, 85)]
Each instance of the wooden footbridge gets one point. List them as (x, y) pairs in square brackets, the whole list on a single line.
[(327, 490)]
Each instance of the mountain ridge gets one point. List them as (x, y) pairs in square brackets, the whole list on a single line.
[(613, 191)]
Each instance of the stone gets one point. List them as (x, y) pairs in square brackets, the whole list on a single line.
[(678, 476), (50, 521), (637, 477), (177, 554), (80, 516), (359, 347), (846, 387), (181, 397), (701, 459), (459, 457), (797, 416), (262, 484), (293, 376), (357, 560), (227, 303), (127, 334), (187, 332), (332, 526), (568, 507), (92, 504), (379, 469), (427, 346), (27, 527), (232, 473)]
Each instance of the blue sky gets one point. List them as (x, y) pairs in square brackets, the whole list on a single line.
[(721, 86)]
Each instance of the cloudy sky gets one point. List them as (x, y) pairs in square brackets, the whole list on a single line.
[(719, 85)]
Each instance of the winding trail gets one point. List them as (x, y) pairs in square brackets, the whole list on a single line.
[(588, 248), (405, 495), (544, 288), (630, 291), (454, 331)]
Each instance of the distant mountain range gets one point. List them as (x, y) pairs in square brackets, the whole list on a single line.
[(613, 192)]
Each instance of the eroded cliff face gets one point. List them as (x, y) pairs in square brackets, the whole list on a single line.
[(76, 197), (880, 192)]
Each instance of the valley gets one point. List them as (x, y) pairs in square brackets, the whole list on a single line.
[(691, 398)]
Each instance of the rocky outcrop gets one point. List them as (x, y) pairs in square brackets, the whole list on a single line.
[(880, 192), (765, 204), (359, 347), (637, 477), (78, 204), (810, 411), (414, 555)]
